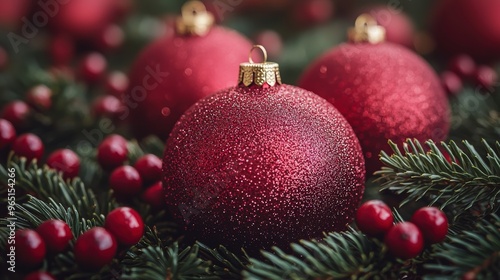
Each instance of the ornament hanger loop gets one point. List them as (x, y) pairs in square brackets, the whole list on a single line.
[(193, 8), (366, 30), (264, 52)]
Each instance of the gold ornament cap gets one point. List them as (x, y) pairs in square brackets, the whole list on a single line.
[(194, 19), (259, 73), (366, 30)]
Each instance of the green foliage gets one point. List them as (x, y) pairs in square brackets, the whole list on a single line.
[(468, 180)]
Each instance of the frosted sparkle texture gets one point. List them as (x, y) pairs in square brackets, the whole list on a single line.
[(259, 167), (384, 91), (174, 72)]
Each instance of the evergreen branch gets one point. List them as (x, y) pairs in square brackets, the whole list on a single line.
[(468, 180), (338, 256), (224, 263), (470, 255), (154, 262), (47, 184)]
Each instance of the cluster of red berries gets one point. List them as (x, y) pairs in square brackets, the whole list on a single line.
[(129, 181), (404, 240), (93, 249), (463, 68)]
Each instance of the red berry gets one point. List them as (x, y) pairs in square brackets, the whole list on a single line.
[(7, 134), (40, 97), (374, 218), (29, 146), (17, 113), (112, 152), (65, 161), (110, 38), (149, 167), (154, 196), (108, 106), (39, 275), (92, 67), (485, 76), (56, 235), (62, 50), (404, 240), (462, 65), (125, 181), (29, 247), (117, 84), (451, 83), (95, 248), (432, 222), (126, 225)]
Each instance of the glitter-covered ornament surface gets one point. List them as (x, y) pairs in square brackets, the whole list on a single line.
[(255, 166), (174, 72), (385, 91)]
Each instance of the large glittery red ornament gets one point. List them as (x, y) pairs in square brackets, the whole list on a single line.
[(385, 91), (174, 72), (468, 26), (259, 166)]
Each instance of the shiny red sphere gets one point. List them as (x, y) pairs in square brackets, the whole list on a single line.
[(112, 152), (154, 196), (125, 181), (462, 65), (374, 218), (39, 275), (126, 225), (7, 134), (92, 67), (432, 222), (174, 72), (149, 167), (17, 113), (40, 97), (29, 146), (404, 240), (95, 248), (29, 247), (257, 167), (65, 161), (56, 234), (385, 91), (486, 77)]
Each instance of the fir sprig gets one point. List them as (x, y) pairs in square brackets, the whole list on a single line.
[(467, 179), (473, 254)]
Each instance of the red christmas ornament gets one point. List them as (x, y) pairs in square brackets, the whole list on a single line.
[(471, 27), (65, 161), (383, 90), (125, 181), (374, 218), (17, 113), (39, 275), (262, 164), (95, 248), (398, 26), (13, 11), (82, 19), (149, 166), (309, 12), (92, 67), (7, 134), (174, 72), (462, 65), (56, 235), (404, 240), (154, 196), (29, 146), (112, 152), (432, 222), (29, 247), (126, 225), (40, 97)]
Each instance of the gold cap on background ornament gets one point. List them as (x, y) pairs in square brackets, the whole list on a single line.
[(259, 73), (366, 30), (194, 19)]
